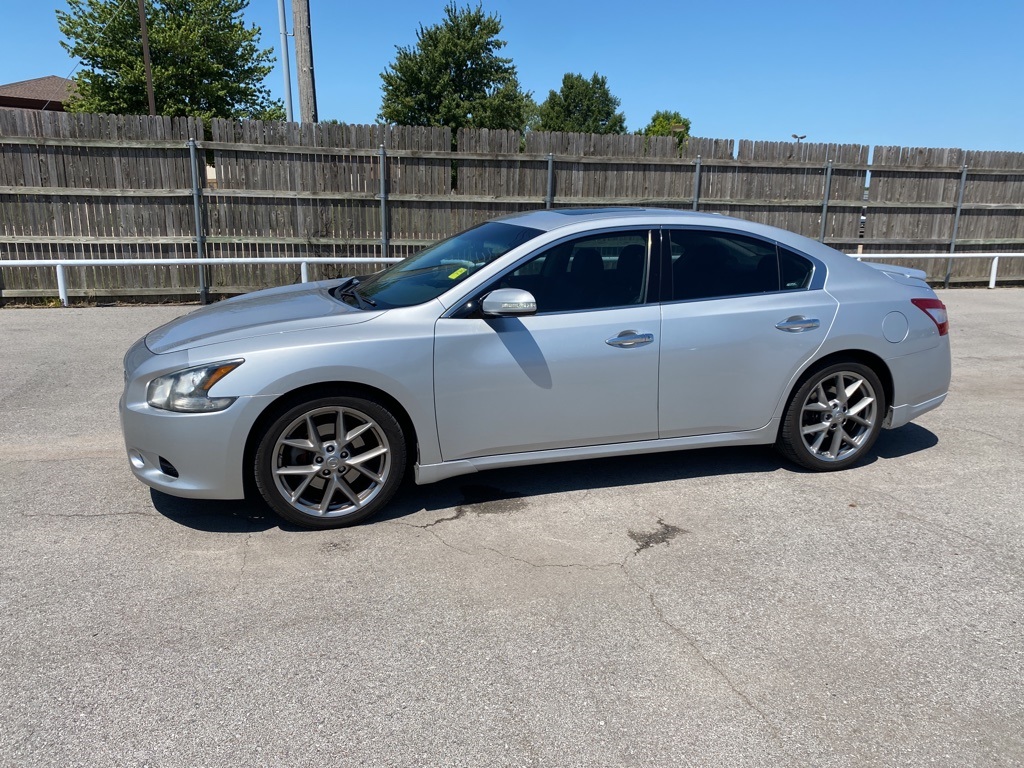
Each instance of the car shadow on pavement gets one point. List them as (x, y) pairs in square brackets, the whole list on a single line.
[(242, 516), (908, 439), (497, 485)]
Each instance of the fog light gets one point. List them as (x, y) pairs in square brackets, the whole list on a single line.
[(167, 468), (136, 459)]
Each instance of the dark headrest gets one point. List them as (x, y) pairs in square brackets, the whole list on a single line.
[(631, 258), (586, 261)]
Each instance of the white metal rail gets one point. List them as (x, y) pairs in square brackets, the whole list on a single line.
[(61, 265)]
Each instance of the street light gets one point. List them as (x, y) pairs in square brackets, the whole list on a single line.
[(799, 138)]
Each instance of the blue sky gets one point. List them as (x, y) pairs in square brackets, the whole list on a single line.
[(910, 72)]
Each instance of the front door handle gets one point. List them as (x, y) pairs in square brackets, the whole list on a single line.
[(798, 323), (628, 339)]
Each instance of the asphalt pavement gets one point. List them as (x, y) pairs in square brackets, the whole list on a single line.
[(703, 608)]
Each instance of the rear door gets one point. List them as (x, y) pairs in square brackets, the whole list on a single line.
[(741, 316)]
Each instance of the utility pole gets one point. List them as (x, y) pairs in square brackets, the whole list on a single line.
[(285, 60), (304, 61), (145, 57)]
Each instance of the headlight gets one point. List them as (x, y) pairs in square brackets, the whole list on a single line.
[(188, 391)]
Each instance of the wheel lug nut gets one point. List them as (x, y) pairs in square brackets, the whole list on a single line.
[(326, 473), (330, 449), (319, 459)]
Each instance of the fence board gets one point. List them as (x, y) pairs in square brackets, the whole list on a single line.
[(125, 163), (100, 186)]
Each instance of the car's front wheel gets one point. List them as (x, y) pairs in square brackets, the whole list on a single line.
[(833, 418), (331, 461)]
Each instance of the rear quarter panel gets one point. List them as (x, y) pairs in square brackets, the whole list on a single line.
[(919, 363)]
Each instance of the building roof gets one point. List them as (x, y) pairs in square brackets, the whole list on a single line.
[(33, 94)]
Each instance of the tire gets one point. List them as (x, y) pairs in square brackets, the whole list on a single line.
[(833, 418), (315, 477)]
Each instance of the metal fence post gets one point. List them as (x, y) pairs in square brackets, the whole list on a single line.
[(62, 286), (197, 206), (550, 200), (696, 184), (824, 202), (956, 223), (383, 156)]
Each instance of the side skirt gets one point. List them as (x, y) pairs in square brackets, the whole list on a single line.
[(431, 473)]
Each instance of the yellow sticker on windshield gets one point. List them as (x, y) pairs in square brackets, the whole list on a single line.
[(457, 273)]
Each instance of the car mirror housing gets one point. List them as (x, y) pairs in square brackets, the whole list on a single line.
[(509, 302)]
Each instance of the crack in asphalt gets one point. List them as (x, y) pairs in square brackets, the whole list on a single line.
[(460, 512), (580, 566), (690, 641), (506, 555), (948, 530), (81, 514), (482, 500), (991, 436), (927, 523), (662, 535), (245, 558)]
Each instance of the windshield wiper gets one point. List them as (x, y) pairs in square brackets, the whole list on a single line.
[(352, 291)]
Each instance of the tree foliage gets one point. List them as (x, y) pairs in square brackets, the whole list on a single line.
[(454, 76), (583, 106), (666, 123), (206, 62)]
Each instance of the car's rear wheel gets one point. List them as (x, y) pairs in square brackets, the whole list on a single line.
[(833, 418), (330, 462)]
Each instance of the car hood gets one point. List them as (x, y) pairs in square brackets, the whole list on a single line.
[(277, 310)]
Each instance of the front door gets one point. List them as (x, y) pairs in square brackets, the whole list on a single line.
[(583, 371)]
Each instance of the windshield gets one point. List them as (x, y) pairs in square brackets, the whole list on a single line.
[(435, 270)]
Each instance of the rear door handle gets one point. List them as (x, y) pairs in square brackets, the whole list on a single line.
[(628, 339), (798, 323)]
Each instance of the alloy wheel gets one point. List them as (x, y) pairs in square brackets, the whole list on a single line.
[(838, 416), (331, 462)]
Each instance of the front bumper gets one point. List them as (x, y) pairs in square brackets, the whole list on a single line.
[(206, 450)]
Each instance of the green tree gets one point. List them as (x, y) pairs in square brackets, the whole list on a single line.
[(206, 62), (666, 123), (453, 76), (582, 106)]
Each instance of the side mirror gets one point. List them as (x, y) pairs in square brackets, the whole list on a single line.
[(509, 302)]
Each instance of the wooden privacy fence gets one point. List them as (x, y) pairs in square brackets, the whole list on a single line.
[(114, 187)]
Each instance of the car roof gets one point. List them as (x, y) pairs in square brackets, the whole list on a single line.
[(582, 219), (555, 218)]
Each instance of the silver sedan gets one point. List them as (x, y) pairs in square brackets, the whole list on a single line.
[(547, 336)]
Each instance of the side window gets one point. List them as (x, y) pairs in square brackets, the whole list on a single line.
[(708, 264), (796, 270), (596, 272)]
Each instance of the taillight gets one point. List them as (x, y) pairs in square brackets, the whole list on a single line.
[(936, 310)]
